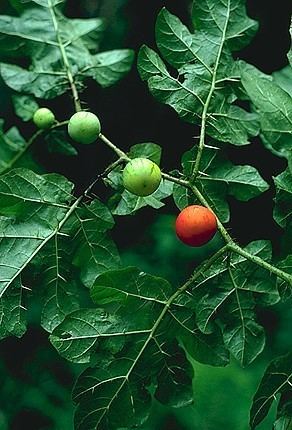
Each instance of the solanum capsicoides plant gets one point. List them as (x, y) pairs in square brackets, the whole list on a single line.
[(64, 239)]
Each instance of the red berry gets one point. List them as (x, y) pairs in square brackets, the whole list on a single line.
[(196, 225)]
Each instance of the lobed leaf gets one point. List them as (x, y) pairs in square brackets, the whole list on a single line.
[(283, 199), (95, 252), (218, 177), (56, 47), (107, 68), (275, 383), (32, 207), (146, 150), (24, 106), (205, 68), (226, 296), (274, 106)]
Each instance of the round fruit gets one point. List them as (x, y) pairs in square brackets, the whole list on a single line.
[(84, 127), (196, 225), (141, 177), (43, 118)]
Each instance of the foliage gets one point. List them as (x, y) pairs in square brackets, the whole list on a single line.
[(137, 333)]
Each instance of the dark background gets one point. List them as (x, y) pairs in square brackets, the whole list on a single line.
[(34, 382)]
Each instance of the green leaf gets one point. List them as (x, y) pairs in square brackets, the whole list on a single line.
[(56, 280), (23, 194), (36, 206), (48, 3), (120, 387), (76, 338), (59, 50), (95, 252), (283, 78), (205, 69), (58, 142), (150, 64), (226, 296), (12, 310), (175, 378), (283, 199), (126, 203), (11, 143), (210, 17), (283, 286), (289, 54), (205, 348), (146, 150), (118, 286), (275, 382), (174, 40), (24, 106), (121, 402), (274, 107), (218, 177), (44, 84), (107, 68), (283, 423)]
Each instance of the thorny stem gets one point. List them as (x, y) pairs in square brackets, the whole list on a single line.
[(207, 103), (199, 271), (118, 151), (75, 94), (230, 243)]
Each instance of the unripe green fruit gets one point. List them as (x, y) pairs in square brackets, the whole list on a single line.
[(84, 127), (141, 177), (43, 118)]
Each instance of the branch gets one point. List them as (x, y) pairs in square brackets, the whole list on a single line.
[(230, 243), (118, 151), (207, 103), (199, 271), (75, 94), (257, 260)]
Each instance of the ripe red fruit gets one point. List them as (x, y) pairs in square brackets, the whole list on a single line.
[(196, 225)]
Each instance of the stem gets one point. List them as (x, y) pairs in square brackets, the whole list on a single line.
[(208, 100), (257, 260), (179, 181), (28, 145), (103, 174), (65, 59), (118, 151), (224, 233), (230, 243)]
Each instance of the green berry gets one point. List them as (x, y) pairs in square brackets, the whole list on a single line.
[(84, 127), (44, 118), (141, 177)]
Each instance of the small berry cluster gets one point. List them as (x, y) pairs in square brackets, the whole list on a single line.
[(195, 225)]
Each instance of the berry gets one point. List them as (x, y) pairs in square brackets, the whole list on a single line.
[(196, 225), (84, 127), (44, 118), (141, 177)]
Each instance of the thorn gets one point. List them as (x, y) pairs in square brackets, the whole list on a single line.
[(26, 288), (22, 307), (203, 173), (63, 234), (61, 277), (212, 147)]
